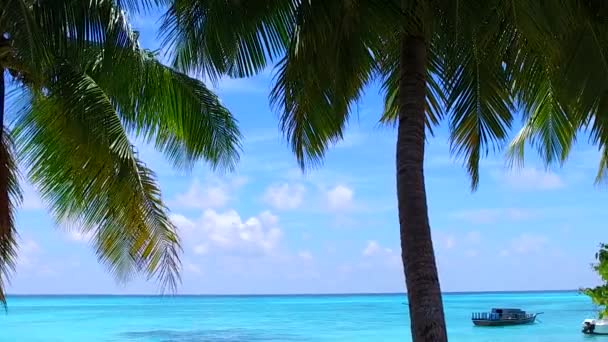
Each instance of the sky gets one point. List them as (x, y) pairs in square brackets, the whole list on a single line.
[(269, 228)]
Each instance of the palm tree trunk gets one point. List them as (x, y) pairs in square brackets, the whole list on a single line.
[(2, 93), (423, 291)]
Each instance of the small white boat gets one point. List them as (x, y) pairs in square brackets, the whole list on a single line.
[(595, 326)]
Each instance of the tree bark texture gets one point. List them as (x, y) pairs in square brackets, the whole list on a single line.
[(423, 290)]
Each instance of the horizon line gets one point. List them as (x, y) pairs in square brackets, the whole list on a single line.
[(276, 294)]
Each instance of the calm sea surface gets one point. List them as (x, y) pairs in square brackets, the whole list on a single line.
[(279, 318)]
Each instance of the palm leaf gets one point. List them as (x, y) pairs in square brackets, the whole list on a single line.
[(598, 129), (197, 33), (42, 31), (435, 98), (547, 126), (561, 78), (140, 6), (27, 40), (86, 168), (185, 119), (179, 113), (81, 22), (479, 100), (329, 61), (602, 172)]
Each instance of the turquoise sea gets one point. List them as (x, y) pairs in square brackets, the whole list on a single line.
[(279, 318)]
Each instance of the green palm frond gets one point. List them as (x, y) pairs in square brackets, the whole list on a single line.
[(26, 38), (329, 61), (583, 87), (140, 6), (179, 114), (39, 32), (202, 41), (547, 126), (81, 22), (597, 126), (435, 98), (85, 167), (561, 78), (479, 101), (602, 173), (90, 86)]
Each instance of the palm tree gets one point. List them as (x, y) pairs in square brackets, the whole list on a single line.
[(472, 63), (570, 94), (598, 294), (82, 89)]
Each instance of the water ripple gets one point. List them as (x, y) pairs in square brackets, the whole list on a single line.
[(216, 335)]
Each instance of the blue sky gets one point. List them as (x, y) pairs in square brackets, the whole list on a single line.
[(268, 228)]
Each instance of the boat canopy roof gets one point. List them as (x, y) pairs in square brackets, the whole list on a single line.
[(501, 310)]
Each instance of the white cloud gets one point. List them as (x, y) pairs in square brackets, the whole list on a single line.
[(201, 249), (32, 260), (29, 247), (525, 244), (192, 268), (213, 194), (305, 255), (79, 236), (28, 255), (530, 179), (285, 196), (74, 231), (180, 220), (31, 198), (442, 240), (340, 198), (226, 232), (528, 243), (197, 197), (351, 138), (371, 248), (46, 270), (450, 241), (377, 255), (485, 216)]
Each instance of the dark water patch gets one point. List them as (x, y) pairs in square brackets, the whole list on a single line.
[(216, 335)]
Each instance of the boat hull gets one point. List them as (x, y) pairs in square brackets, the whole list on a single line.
[(595, 327), (503, 322)]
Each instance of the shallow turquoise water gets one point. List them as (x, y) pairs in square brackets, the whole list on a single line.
[(279, 318)]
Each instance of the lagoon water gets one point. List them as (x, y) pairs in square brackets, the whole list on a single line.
[(279, 318)]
